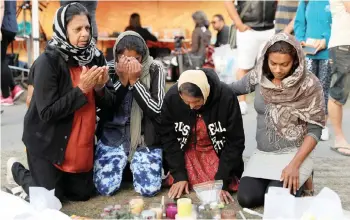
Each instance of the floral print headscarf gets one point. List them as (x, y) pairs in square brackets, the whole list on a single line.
[(296, 103)]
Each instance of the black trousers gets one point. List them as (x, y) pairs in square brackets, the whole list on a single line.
[(7, 83), (42, 173), (251, 191)]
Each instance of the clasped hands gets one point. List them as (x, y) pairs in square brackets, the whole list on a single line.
[(129, 70), (93, 78)]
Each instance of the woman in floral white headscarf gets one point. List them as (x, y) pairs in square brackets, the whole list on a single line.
[(290, 106)]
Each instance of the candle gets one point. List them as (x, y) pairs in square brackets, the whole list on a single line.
[(184, 207), (136, 206), (148, 214), (158, 212), (171, 211), (163, 208), (157, 208), (184, 218)]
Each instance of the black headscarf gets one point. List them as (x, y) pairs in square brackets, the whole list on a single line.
[(82, 55)]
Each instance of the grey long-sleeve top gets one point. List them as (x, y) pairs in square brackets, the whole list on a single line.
[(263, 143)]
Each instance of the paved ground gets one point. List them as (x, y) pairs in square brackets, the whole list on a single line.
[(331, 170)]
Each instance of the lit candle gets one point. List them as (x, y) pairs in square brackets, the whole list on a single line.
[(136, 206), (184, 207)]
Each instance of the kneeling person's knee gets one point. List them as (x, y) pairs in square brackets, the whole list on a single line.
[(146, 167), (246, 199)]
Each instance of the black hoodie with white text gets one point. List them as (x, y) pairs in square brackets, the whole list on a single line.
[(221, 113)]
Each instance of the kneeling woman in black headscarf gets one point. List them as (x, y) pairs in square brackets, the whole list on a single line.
[(59, 127)]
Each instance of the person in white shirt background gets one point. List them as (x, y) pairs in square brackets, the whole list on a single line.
[(339, 46)]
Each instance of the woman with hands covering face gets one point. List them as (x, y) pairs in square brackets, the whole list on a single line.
[(127, 131), (59, 127), (128, 69)]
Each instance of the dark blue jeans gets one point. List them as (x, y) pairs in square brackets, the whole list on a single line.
[(7, 82)]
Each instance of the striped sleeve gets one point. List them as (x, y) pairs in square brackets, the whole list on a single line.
[(112, 74), (151, 100), (111, 67)]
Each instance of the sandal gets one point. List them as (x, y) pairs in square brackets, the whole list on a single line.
[(339, 146)]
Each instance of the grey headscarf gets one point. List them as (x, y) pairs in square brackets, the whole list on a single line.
[(136, 112)]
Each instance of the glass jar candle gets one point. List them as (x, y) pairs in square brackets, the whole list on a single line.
[(171, 210), (157, 208)]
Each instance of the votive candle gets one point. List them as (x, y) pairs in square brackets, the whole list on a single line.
[(184, 207), (171, 211)]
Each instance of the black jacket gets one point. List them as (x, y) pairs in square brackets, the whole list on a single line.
[(223, 117), (260, 15), (222, 36), (48, 121), (145, 34), (149, 100)]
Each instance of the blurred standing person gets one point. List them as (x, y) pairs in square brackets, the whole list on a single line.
[(285, 13), (339, 45), (312, 27), (223, 30), (200, 40), (8, 22), (254, 21), (135, 25), (91, 8)]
